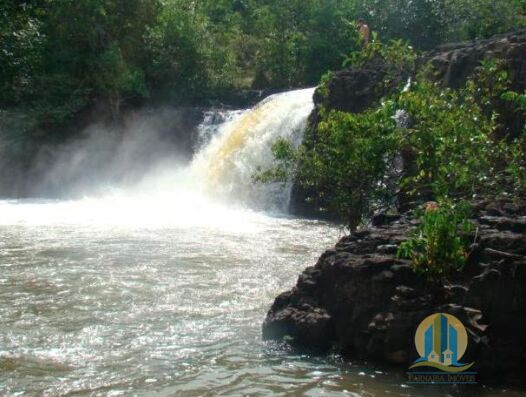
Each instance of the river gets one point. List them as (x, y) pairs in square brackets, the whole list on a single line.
[(160, 288)]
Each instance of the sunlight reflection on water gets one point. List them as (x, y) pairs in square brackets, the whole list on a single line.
[(104, 309)]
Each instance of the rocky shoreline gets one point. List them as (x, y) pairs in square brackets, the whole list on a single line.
[(360, 300), (363, 302)]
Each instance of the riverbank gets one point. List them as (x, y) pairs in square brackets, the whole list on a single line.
[(364, 302), (360, 299)]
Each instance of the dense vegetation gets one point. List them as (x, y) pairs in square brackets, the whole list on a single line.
[(448, 139), (421, 141), (58, 57)]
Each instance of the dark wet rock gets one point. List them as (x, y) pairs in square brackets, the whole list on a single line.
[(516, 225), (384, 219), (357, 89), (364, 302), (387, 249), (455, 62), (305, 326)]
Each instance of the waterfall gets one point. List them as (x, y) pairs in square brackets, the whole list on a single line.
[(241, 144), (215, 189)]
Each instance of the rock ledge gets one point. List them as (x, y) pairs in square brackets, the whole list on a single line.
[(361, 301)]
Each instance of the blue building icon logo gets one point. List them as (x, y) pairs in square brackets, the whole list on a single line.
[(441, 341)]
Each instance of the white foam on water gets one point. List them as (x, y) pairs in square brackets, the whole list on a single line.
[(216, 189)]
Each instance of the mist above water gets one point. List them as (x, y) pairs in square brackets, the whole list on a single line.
[(153, 271), (147, 176), (104, 158)]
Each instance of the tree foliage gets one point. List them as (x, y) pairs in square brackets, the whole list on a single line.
[(427, 23), (58, 57), (448, 137)]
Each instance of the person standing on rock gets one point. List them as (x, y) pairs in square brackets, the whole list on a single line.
[(363, 31)]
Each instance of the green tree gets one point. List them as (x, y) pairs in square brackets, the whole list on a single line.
[(93, 48), (20, 49), (472, 19), (431, 22), (58, 57)]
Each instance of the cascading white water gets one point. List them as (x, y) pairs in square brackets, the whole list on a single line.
[(209, 191), (242, 144), (160, 286), (233, 145)]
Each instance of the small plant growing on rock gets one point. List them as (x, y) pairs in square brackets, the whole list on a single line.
[(440, 244), (323, 88)]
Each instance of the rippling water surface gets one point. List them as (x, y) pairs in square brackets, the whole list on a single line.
[(160, 289), (93, 304)]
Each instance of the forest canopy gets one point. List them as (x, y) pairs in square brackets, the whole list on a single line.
[(59, 56)]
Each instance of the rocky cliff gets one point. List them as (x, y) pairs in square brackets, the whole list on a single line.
[(357, 89), (454, 63), (362, 301)]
